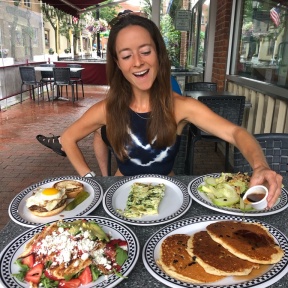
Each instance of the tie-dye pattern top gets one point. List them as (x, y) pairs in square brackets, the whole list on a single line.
[(143, 158)]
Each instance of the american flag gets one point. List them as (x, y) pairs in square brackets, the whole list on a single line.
[(275, 15)]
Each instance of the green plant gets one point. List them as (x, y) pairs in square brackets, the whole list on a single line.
[(51, 51), (67, 50)]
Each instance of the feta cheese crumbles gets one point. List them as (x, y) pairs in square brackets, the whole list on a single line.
[(65, 247)]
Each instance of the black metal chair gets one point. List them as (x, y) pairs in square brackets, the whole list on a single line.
[(230, 108), (28, 77), (76, 77), (275, 148), (201, 86), (62, 78), (47, 76)]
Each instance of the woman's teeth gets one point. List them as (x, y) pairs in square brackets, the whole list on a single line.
[(141, 73)]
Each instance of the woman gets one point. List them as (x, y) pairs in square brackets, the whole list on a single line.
[(143, 117)]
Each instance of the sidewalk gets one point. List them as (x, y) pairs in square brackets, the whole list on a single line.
[(24, 161)]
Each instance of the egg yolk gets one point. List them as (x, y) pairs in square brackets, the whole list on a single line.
[(50, 191)]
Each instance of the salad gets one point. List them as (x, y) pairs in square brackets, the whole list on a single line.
[(227, 190), (70, 254)]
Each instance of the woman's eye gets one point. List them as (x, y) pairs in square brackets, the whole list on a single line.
[(126, 57), (146, 52)]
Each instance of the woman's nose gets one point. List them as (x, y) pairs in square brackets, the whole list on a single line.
[(138, 60)]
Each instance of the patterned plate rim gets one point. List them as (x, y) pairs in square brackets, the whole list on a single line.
[(194, 193), (108, 195), (277, 271), (14, 204), (108, 224)]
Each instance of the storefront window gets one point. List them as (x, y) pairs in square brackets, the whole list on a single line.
[(198, 35), (20, 34), (263, 44)]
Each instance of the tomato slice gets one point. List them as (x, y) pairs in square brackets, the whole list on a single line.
[(73, 283), (34, 274), (28, 260), (86, 276)]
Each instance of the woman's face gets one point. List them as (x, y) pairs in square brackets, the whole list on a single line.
[(137, 57)]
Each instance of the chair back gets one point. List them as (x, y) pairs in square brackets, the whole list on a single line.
[(28, 75), (61, 75), (227, 106), (275, 149), (77, 74), (47, 74), (201, 86)]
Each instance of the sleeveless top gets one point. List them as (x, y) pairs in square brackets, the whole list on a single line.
[(142, 157)]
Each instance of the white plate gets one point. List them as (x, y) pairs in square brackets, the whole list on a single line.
[(20, 214), (204, 200), (115, 229), (174, 204), (151, 253)]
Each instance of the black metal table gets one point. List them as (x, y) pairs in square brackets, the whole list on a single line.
[(140, 277)]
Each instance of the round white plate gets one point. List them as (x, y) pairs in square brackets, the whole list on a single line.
[(110, 226), (20, 214), (189, 226), (204, 200), (174, 204)]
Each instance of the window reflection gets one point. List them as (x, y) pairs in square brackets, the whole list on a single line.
[(263, 49)]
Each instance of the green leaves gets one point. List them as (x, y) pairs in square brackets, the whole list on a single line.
[(121, 256)]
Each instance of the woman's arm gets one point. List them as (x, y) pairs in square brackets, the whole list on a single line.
[(191, 110), (89, 122)]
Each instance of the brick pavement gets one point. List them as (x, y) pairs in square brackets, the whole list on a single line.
[(23, 161)]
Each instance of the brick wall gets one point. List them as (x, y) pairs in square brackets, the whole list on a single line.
[(223, 19)]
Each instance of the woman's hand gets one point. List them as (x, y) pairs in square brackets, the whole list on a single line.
[(273, 181)]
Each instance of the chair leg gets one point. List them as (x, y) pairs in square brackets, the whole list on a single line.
[(76, 89), (226, 157), (21, 93), (191, 158), (187, 160), (109, 163), (73, 96), (33, 92), (82, 88), (47, 91)]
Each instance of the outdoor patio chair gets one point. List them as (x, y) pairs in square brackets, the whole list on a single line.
[(28, 77), (47, 76), (62, 77), (275, 148), (76, 77), (230, 108), (201, 86)]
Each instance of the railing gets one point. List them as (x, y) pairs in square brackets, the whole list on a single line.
[(268, 114)]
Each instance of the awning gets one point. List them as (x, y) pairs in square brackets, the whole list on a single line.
[(72, 7)]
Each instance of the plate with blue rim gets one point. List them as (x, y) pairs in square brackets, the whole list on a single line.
[(200, 197), (262, 278), (174, 204), (115, 229), (19, 213)]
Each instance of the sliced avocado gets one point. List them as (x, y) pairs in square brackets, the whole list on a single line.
[(225, 201), (95, 231), (75, 229)]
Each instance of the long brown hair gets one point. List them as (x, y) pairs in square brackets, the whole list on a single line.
[(162, 122)]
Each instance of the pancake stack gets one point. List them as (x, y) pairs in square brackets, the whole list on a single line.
[(226, 248)]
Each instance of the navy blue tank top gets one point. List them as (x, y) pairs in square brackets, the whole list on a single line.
[(142, 157)]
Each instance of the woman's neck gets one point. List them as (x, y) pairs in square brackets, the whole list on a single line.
[(141, 103)]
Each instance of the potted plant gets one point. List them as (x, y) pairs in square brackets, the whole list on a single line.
[(51, 51), (3, 53), (67, 50)]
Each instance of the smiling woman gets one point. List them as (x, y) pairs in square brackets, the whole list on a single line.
[(144, 118)]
